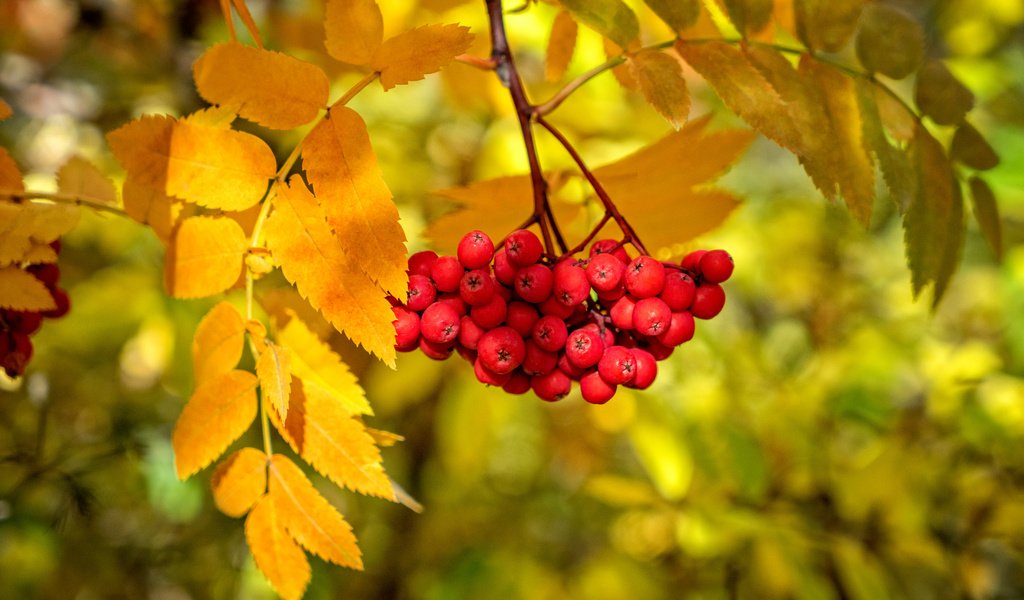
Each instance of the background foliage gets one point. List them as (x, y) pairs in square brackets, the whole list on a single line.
[(826, 437)]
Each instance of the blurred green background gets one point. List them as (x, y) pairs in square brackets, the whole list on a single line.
[(825, 437)]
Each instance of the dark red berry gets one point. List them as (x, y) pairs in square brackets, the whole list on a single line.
[(551, 387), (571, 286), (504, 271), (571, 370), (646, 369), (60, 297), (523, 248), (475, 249), (617, 366), (487, 376), (501, 349), (658, 350), (534, 283), (605, 271), (622, 313), (584, 347), (680, 329), (490, 315), (469, 333), (521, 317), (537, 360), (595, 389), (440, 323), (679, 290), (447, 273), (407, 329), (434, 350), (23, 321), (553, 307), (651, 316), (476, 287), (15, 353), (422, 293), (550, 333), (691, 262), (708, 301), (421, 262), (518, 383), (49, 274), (716, 266), (645, 277)]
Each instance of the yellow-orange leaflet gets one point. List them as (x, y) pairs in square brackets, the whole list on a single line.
[(218, 412), (276, 554), (661, 80), (10, 175), (354, 30), (217, 345), (311, 258), (561, 46), (269, 88), (274, 370), (207, 257), (309, 518), (418, 52), (20, 290), (79, 177), (343, 171), (24, 226), (5, 109), (239, 481)]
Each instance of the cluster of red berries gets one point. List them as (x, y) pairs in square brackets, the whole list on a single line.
[(527, 324), (17, 325)]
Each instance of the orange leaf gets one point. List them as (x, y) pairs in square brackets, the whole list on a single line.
[(311, 258), (151, 206), (354, 30), (23, 226), (561, 46), (342, 168), (661, 80), (217, 346), (418, 52), (274, 370), (218, 412), (239, 481), (207, 258), (5, 109), (79, 177), (336, 444), (289, 93), (10, 174), (20, 290), (277, 555), (311, 520)]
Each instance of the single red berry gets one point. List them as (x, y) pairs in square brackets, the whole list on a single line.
[(691, 262), (622, 312), (571, 286), (680, 329), (475, 249), (60, 297), (504, 270), (595, 389), (645, 277), (447, 273), (716, 266), (436, 351), (550, 333), (646, 369), (477, 287), (490, 315), (606, 333), (421, 262), (605, 271), (20, 321), (651, 316), (610, 247), (518, 383), (455, 301), (487, 376), (608, 298), (504, 292), (708, 301), (679, 290), (626, 339), (440, 323), (523, 248), (617, 366), (537, 360), (553, 307), (551, 387), (501, 349), (49, 274), (469, 333), (465, 353), (422, 293), (521, 317), (658, 350), (571, 370), (407, 329), (584, 347), (534, 283)]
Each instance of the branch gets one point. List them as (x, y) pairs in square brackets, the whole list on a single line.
[(62, 198)]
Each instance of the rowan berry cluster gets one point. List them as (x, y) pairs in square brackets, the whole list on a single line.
[(529, 323), (17, 325)]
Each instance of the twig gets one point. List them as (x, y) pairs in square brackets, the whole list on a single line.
[(484, 64), (62, 198)]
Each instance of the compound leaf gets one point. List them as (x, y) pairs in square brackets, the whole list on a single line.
[(677, 14)]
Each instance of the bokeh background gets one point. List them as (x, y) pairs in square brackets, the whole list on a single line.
[(825, 437)]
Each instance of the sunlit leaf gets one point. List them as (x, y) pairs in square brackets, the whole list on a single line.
[(10, 175), (826, 24), (749, 16), (622, 73), (274, 370), (677, 14), (940, 95), (309, 518), (24, 225), (217, 345), (661, 81), (971, 149), (277, 555), (218, 412), (289, 93), (78, 177), (20, 290), (986, 211), (151, 206), (611, 18), (239, 481), (418, 52), (889, 41), (354, 30), (561, 46), (207, 258)]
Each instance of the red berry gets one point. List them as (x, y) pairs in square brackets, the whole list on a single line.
[(453, 300), (421, 262), (607, 335), (469, 333), (708, 301), (523, 248), (691, 261), (60, 297), (609, 297), (622, 312), (464, 352), (477, 287), (645, 277), (422, 293), (550, 333), (617, 366), (572, 371), (716, 266), (595, 389), (475, 249), (447, 273), (571, 286), (490, 315), (15, 353), (434, 350), (521, 317), (534, 283), (49, 274), (651, 316), (553, 307), (551, 387), (609, 247), (679, 290), (407, 329), (537, 360), (501, 349), (680, 329), (646, 369), (440, 323), (584, 347), (605, 271), (20, 321), (504, 271), (658, 350), (487, 376), (518, 383)]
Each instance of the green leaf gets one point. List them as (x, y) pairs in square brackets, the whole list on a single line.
[(677, 14), (900, 177), (749, 16), (940, 95), (826, 24), (987, 213), (971, 149), (611, 18), (889, 41), (661, 81)]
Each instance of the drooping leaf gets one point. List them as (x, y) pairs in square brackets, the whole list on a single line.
[(336, 444), (10, 174), (661, 81), (20, 290), (207, 257), (151, 206), (278, 557), (218, 412), (342, 168), (611, 18), (826, 24), (217, 345), (971, 149), (23, 226), (900, 176), (987, 214), (419, 52), (239, 481), (940, 95), (749, 16), (78, 177), (290, 92), (354, 30), (622, 73), (311, 258), (889, 41), (309, 518), (274, 370), (561, 46), (677, 14), (5, 109)]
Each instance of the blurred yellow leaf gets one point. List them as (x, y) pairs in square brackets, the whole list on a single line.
[(274, 370), (78, 177), (895, 165), (749, 16), (10, 175), (971, 149), (826, 24), (309, 518), (5, 109), (940, 95), (24, 225), (269, 88), (354, 30), (277, 555), (661, 80), (986, 211), (889, 41), (20, 290), (218, 412), (384, 439), (217, 345), (239, 481), (677, 14), (39, 253), (418, 52), (561, 46), (611, 18), (207, 257)]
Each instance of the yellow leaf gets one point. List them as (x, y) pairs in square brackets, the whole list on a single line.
[(561, 45), (207, 257), (889, 41), (218, 412), (311, 258), (354, 30), (288, 92), (661, 80), (217, 345), (277, 555), (611, 18), (749, 16), (336, 444), (622, 73), (309, 518), (274, 371), (239, 481), (313, 361), (39, 253), (151, 206), (5, 109), (10, 175), (986, 212), (24, 225), (418, 52), (20, 290), (383, 438), (826, 24), (220, 117), (279, 302), (79, 177), (342, 168), (677, 14)]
